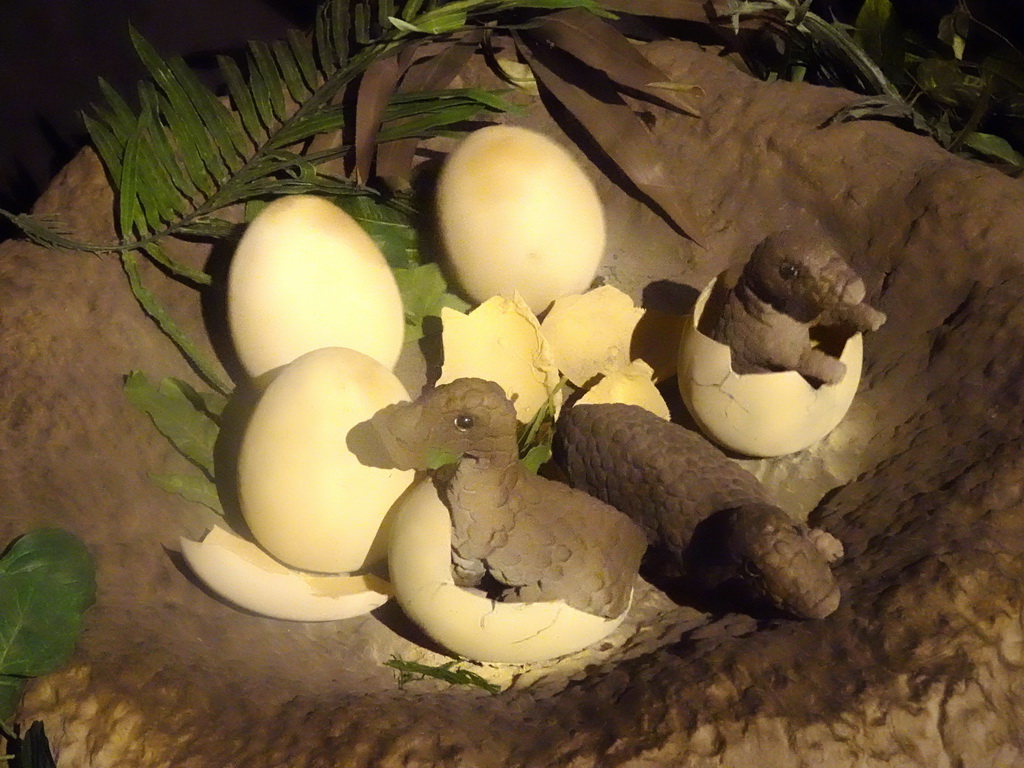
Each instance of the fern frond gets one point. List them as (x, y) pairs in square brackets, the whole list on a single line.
[(185, 155)]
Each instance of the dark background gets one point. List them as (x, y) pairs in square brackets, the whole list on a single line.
[(53, 51)]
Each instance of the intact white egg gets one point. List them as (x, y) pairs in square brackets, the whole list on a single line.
[(306, 495), (759, 414), (466, 622), (248, 577), (305, 275), (516, 213)]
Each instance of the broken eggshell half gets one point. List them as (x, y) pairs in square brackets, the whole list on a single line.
[(467, 622), (759, 414), (246, 576)]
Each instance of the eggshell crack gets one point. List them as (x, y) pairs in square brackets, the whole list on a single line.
[(466, 622)]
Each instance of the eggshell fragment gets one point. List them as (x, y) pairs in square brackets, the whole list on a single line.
[(469, 623), (632, 385), (248, 577), (516, 213), (304, 276), (306, 497), (759, 414), (501, 341), (591, 333)]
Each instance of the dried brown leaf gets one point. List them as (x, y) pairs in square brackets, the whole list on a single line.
[(619, 132), (599, 45), (375, 89), (434, 67)]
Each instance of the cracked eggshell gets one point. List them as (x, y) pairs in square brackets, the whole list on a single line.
[(759, 414), (632, 385), (501, 341), (516, 213), (465, 622), (245, 575), (305, 275), (306, 497), (591, 333)]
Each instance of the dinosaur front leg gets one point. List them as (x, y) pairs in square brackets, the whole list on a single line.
[(860, 317), (815, 364)]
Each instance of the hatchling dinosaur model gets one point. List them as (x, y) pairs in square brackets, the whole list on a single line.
[(537, 538), (710, 521), (792, 283)]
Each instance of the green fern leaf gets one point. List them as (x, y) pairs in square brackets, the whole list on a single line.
[(242, 99), (264, 63), (289, 67)]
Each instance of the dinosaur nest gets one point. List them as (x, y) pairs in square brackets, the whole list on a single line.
[(923, 482)]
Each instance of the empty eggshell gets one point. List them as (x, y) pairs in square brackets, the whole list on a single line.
[(248, 577), (632, 385), (759, 414), (305, 495), (501, 341), (591, 333), (516, 213), (304, 276), (469, 623)]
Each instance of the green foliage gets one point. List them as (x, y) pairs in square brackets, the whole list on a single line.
[(449, 672), (190, 422), (47, 582), (964, 86)]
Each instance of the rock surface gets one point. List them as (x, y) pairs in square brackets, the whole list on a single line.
[(922, 665)]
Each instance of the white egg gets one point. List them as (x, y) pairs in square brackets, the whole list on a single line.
[(759, 414), (465, 622), (306, 497), (305, 275), (516, 213), (248, 577)]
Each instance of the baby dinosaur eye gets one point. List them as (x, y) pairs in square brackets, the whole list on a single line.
[(463, 422), (788, 270)]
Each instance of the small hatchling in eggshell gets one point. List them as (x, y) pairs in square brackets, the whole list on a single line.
[(792, 283), (534, 538)]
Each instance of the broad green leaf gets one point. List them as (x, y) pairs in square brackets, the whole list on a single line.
[(879, 33), (391, 230), (993, 147), (194, 488), (172, 407), (47, 581), (424, 294), (536, 457)]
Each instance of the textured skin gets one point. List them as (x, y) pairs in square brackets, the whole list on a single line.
[(792, 282), (538, 538), (708, 514)]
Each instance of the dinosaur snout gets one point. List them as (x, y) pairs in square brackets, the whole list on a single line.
[(397, 427), (854, 291)]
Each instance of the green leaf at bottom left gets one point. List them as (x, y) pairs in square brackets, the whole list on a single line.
[(47, 581)]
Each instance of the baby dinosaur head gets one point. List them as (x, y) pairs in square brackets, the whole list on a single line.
[(466, 418), (801, 275)]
